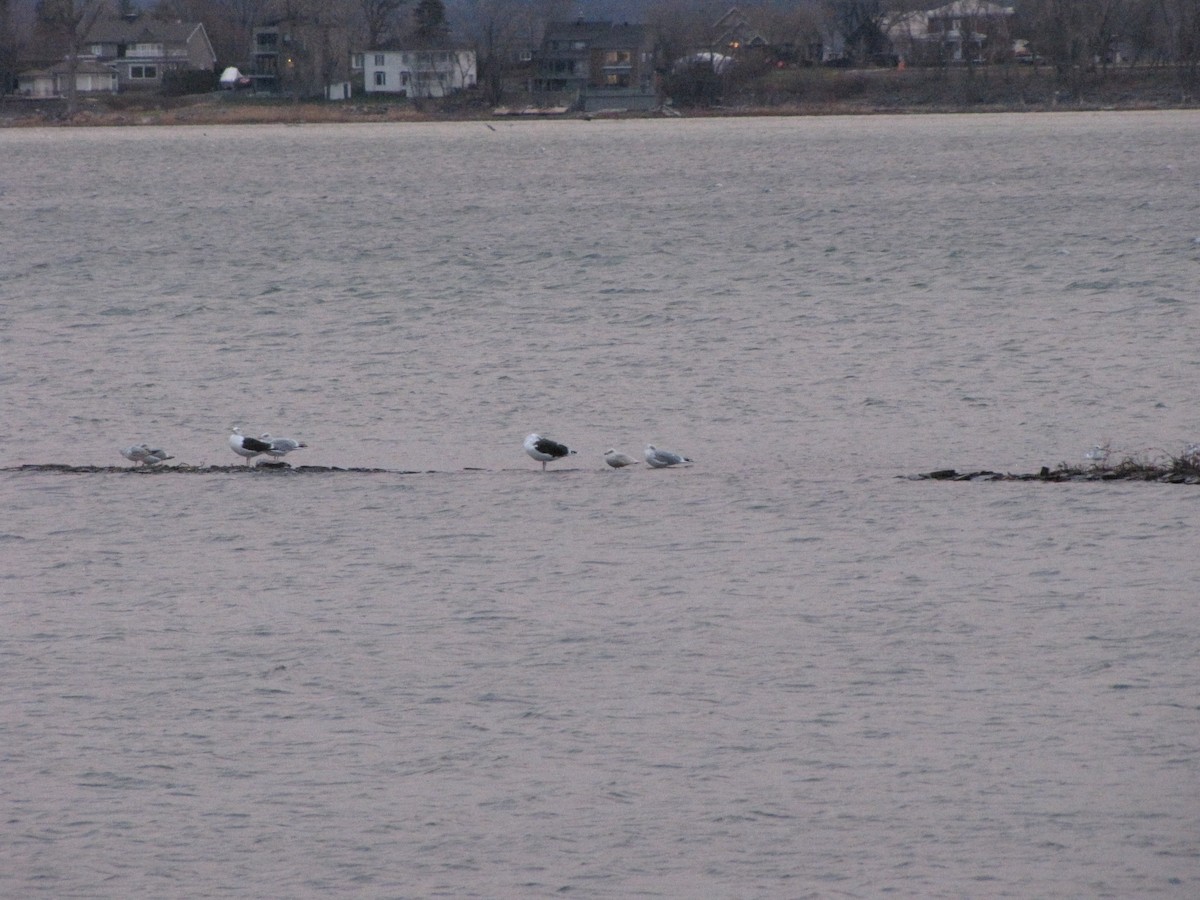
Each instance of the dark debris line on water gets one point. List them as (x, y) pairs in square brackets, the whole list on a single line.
[(1162, 475), (271, 468)]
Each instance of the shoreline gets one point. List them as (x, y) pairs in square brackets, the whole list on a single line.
[(322, 114), (808, 93)]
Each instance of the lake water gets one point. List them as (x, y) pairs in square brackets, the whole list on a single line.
[(784, 671)]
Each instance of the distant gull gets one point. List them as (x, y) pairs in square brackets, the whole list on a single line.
[(618, 460), (545, 450), (660, 459), (281, 447), (248, 447), (145, 454)]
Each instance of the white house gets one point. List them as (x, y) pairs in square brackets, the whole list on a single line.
[(955, 32), (417, 73)]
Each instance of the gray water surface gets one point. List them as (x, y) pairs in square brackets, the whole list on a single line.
[(781, 672)]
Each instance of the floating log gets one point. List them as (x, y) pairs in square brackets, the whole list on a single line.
[(272, 468), (1178, 472)]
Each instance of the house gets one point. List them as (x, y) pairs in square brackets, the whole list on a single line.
[(417, 73), (91, 77), (143, 49), (963, 31), (735, 34), (597, 65), (305, 55)]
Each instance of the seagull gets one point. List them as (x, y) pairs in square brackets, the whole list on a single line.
[(660, 459), (248, 447), (281, 447), (145, 454), (618, 460), (544, 450)]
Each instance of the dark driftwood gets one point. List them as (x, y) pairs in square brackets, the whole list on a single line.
[(262, 468), (1176, 472)]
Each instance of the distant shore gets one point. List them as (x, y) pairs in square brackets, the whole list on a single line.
[(812, 92)]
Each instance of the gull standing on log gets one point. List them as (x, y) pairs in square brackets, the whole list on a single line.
[(249, 447), (660, 459), (545, 450)]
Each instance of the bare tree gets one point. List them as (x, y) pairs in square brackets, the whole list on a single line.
[(1181, 19), (860, 24), (429, 23), (9, 47), (69, 22), (380, 21), (1077, 36), (229, 23), (793, 31)]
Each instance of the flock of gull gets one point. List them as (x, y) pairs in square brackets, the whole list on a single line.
[(545, 450), (540, 448), (243, 445)]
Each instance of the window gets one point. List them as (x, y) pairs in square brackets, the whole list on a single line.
[(143, 72), (380, 79), (379, 59), (616, 58), (356, 60)]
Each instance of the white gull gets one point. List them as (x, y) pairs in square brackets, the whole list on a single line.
[(618, 460)]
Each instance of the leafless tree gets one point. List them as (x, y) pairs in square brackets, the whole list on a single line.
[(229, 24), (69, 22), (860, 24), (9, 46), (500, 32), (380, 21), (1181, 20)]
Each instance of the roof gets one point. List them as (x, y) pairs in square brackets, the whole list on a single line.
[(969, 8), (605, 33), (83, 67), (142, 30)]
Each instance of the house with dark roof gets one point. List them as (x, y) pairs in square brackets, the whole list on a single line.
[(143, 49), (596, 65)]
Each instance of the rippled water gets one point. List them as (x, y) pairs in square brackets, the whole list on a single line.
[(782, 672)]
